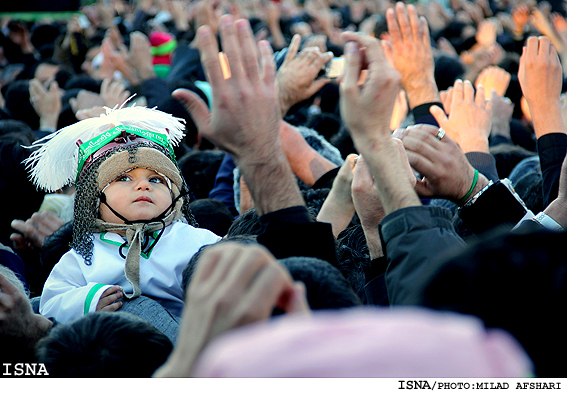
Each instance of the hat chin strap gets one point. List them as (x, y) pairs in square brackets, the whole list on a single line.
[(158, 218), (135, 230)]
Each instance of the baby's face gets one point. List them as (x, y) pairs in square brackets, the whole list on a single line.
[(139, 194)]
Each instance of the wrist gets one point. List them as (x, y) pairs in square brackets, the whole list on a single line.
[(476, 190), (557, 210), (49, 122), (479, 145), (421, 92)]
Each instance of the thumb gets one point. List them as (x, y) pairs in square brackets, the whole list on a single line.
[(298, 300), (194, 105), (439, 115)]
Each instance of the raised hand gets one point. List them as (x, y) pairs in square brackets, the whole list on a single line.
[(113, 93), (297, 77), (32, 232), (245, 117), (46, 103), (410, 53), (493, 78), (445, 169), (541, 79), (366, 111), (469, 121)]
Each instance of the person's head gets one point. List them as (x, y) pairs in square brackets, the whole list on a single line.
[(123, 167), (138, 194), (104, 344)]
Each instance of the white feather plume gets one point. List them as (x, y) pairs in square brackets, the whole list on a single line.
[(55, 163)]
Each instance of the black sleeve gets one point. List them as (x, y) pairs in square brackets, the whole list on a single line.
[(484, 163), (495, 207), (292, 232), (551, 149), (422, 115), (155, 90), (413, 240)]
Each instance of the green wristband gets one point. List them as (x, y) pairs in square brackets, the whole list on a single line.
[(463, 200)]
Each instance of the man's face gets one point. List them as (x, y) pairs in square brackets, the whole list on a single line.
[(139, 194)]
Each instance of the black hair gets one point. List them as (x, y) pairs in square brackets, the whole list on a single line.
[(343, 142), (326, 288), (212, 215), (18, 103), (353, 257), (17, 193), (199, 169), (314, 199), (325, 123), (54, 247), (104, 344), (513, 281), (447, 70), (83, 82), (248, 223), (189, 269)]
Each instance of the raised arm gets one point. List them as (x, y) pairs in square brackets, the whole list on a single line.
[(366, 111), (540, 77), (245, 116), (410, 53)]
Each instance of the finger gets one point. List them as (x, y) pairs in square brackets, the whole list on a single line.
[(425, 37), (104, 85), (231, 46), (292, 49), (420, 163), (468, 92), (415, 23), (112, 307), (481, 97), (247, 266), (18, 241), (53, 88), (439, 116), (215, 265), (457, 93), (49, 220), (207, 44), (297, 302), (352, 67), (195, 106), (543, 46), (249, 50), (531, 47), (423, 144), (7, 286), (268, 64), (393, 27), (403, 21), (110, 290), (422, 189), (272, 283)]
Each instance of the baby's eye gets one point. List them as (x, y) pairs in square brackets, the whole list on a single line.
[(157, 179), (123, 178)]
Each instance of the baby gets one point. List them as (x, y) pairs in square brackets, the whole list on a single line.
[(131, 231)]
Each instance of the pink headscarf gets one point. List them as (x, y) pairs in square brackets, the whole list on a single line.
[(367, 342)]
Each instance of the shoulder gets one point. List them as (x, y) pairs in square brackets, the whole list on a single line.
[(180, 229)]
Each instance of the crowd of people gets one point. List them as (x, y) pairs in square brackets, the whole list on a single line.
[(191, 193)]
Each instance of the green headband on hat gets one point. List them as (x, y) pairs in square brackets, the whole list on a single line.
[(90, 147)]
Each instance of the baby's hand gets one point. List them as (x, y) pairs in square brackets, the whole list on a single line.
[(107, 302)]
